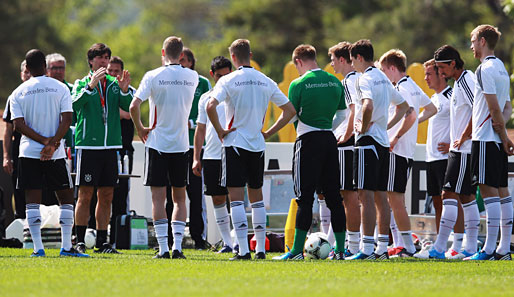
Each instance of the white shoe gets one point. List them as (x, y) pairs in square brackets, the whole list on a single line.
[(424, 253), (454, 255)]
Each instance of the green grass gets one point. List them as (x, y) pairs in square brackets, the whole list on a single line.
[(204, 273)]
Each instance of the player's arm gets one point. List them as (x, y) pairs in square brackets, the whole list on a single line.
[(466, 134), (198, 143), (399, 113), (507, 111), (54, 142), (408, 120), (135, 114), (7, 144), (367, 112), (124, 115), (288, 112), (429, 110), (497, 117), (349, 128), (213, 117)]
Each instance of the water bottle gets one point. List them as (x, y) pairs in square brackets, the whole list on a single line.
[(126, 164), (120, 169)]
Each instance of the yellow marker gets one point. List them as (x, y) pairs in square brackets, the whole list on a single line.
[(289, 229), (417, 73)]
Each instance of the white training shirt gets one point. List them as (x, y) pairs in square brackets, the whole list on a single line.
[(212, 148), (170, 90), (350, 96), (373, 84), (438, 125), (246, 93), (492, 78), (416, 98), (40, 102), (460, 109)]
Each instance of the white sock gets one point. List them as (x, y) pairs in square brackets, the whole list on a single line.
[(397, 238), (493, 214), (506, 225), (471, 226), (240, 224), (407, 240), (324, 216), (448, 219), (34, 221), (178, 234), (368, 243), (161, 232), (259, 226), (383, 242), (330, 236), (223, 222), (353, 241), (457, 241), (66, 222)]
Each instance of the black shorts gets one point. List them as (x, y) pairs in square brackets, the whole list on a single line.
[(370, 165), (34, 174), (399, 171), (489, 164), (435, 176), (98, 168), (457, 177), (166, 169), (240, 167), (212, 178), (346, 167)]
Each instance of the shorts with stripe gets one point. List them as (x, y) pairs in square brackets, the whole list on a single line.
[(240, 167), (98, 168), (435, 176), (212, 178), (370, 165), (489, 164), (34, 174), (457, 177), (316, 167), (166, 169), (399, 171), (346, 166)]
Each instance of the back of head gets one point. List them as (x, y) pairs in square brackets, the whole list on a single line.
[(364, 48), (36, 62), (116, 60), (341, 50), (396, 58), (447, 54), (220, 62), (173, 47), (241, 49), (97, 49), (304, 52), (190, 56), (55, 57), (489, 33)]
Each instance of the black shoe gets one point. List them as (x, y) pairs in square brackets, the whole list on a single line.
[(176, 254), (338, 256), (260, 256), (404, 254), (202, 245), (385, 256), (81, 247), (166, 255), (106, 249), (500, 257), (239, 257)]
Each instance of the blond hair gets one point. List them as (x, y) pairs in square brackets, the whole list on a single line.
[(173, 47), (394, 57), (241, 49), (489, 33)]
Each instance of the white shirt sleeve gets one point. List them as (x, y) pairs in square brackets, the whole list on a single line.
[(6, 110), (486, 80), (363, 88), (202, 113), (66, 105), (350, 91), (220, 92), (16, 110), (277, 96), (404, 92), (424, 100), (145, 88), (396, 97)]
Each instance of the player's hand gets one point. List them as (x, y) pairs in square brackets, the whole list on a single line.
[(8, 166), (265, 135), (392, 143), (143, 133), (508, 147), (97, 76), (358, 126), (458, 143), (197, 168), (443, 147), (223, 132), (124, 81), (47, 152), (342, 139)]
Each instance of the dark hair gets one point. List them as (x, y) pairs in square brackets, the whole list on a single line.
[(364, 48), (342, 49), (220, 62), (116, 60), (489, 33), (36, 60), (173, 47), (304, 52), (97, 49), (447, 54), (190, 56)]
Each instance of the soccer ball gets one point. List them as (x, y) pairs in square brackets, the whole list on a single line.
[(317, 246), (90, 238)]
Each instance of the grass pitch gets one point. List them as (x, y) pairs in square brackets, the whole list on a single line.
[(205, 273)]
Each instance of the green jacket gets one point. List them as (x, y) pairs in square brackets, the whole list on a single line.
[(90, 130), (203, 86)]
